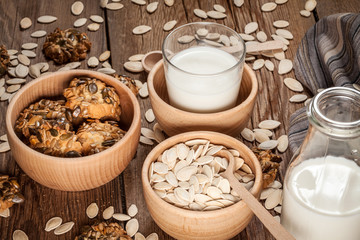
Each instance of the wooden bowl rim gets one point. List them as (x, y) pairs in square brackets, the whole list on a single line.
[(237, 108), (131, 131), (191, 135)]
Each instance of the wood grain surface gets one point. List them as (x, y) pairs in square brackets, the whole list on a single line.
[(115, 34)]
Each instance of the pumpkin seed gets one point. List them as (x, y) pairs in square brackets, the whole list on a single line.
[(265, 131), (356, 86), (169, 3), (108, 213), (266, 192), (269, 65), (141, 29), (279, 55), (107, 70), (121, 217), (63, 69), (132, 226), (44, 66), (267, 145), (169, 25), (73, 65), (216, 15), (280, 1), (19, 235), (293, 85), (92, 210), (52, 223), (4, 147), (103, 3), (186, 39), (219, 8), (29, 46), (139, 236), (64, 228), (284, 33), (148, 133), (298, 98), (106, 64), (305, 13), (285, 66), (5, 96), (2, 91), (13, 88), (259, 63), (261, 36), (152, 236), (136, 57), (251, 27), (310, 5), (280, 38), (261, 137), (104, 56), (25, 23), (21, 71), (200, 13), (5, 213), (202, 32), (139, 2), (273, 199), (46, 19), (14, 62), (151, 7), (213, 36), (247, 37), (149, 115), (269, 124), (143, 92), (248, 135), (283, 143), (28, 53), (268, 7), (38, 34), (93, 62), (134, 67), (114, 6), (80, 22), (23, 59), (281, 24), (132, 210), (146, 140), (93, 27), (77, 8), (238, 3)]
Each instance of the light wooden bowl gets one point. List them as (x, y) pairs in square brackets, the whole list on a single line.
[(175, 121), (74, 174), (197, 225)]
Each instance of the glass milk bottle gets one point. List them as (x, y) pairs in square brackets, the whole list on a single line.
[(321, 198)]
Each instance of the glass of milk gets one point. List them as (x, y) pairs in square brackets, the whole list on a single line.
[(321, 198), (203, 64)]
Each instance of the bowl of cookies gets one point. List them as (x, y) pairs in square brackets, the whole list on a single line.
[(186, 192), (73, 130)]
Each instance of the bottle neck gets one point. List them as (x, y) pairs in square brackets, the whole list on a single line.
[(336, 112)]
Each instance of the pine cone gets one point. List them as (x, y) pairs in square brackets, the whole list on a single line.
[(103, 231), (4, 60), (66, 46)]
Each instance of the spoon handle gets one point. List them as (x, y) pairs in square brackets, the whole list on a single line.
[(274, 227)]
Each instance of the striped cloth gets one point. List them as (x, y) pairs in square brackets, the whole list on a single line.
[(328, 55)]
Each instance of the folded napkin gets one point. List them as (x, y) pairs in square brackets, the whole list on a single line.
[(328, 55)]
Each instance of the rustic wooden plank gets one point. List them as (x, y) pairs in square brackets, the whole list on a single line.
[(42, 203), (323, 7)]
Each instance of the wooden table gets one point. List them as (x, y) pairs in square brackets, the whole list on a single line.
[(115, 34)]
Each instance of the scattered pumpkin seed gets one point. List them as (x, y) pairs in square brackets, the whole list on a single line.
[(280, 38), (268, 7), (80, 22), (261, 137), (281, 24), (310, 5), (169, 3), (103, 3), (216, 15), (25, 23), (77, 8), (251, 27), (139, 2), (23, 59), (4, 147), (219, 8), (134, 67), (248, 135), (284, 33), (261, 36), (280, 1), (108, 213), (28, 53), (46, 19), (136, 57), (185, 39), (106, 64), (104, 56), (305, 13), (283, 143), (146, 140), (107, 70), (19, 235), (293, 84), (132, 210), (169, 25), (149, 115), (21, 71), (93, 27), (258, 63), (141, 29), (53, 223), (5, 213), (121, 217), (200, 13), (247, 37), (139, 236), (267, 145), (298, 98), (96, 18), (132, 226), (151, 7), (269, 65), (356, 86), (13, 88), (92, 210), (63, 228), (29, 46), (285, 66), (93, 62), (143, 92), (38, 34), (273, 199), (238, 3), (114, 6), (269, 124)]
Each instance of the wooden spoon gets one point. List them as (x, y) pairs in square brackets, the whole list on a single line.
[(150, 59), (274, 227)]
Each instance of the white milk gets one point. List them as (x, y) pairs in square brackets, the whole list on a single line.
[(209, 88), (320, 204)]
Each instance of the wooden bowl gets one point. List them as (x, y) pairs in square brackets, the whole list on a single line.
[(200, 225), (82, 173), (175, 121)]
